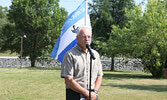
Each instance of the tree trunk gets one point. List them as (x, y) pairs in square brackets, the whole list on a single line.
[(112, 64), (32, 62), (156, 73)]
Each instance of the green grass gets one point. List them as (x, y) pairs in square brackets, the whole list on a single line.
[(46, 84)]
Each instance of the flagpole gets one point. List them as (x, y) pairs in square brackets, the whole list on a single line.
[(86, 2)]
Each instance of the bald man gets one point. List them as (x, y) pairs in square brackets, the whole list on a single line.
[(76, 67)]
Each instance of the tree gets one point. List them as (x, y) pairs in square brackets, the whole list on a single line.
[(146, 36), (3, 12), (40, 21), (104, 14), (3, 21)]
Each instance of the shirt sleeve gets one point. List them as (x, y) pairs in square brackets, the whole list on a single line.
[(67, 66), (100, 70)]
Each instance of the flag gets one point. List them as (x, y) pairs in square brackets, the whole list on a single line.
[(67, 39)]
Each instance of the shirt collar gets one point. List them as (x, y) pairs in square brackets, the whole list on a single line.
[(79, 48)]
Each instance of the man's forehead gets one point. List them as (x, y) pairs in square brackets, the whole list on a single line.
[(85, 30)]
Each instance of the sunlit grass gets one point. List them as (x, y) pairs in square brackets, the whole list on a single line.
[(132, 85), (46, 84), (31, 84)]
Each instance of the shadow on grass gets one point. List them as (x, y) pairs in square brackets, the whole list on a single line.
[(125, 76), (120, 75), (157, 88), (43, 68)]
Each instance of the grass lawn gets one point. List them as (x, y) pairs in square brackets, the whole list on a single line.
[(46, 84)]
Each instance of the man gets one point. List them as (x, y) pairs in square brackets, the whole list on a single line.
[(165, 69), (76, 67)]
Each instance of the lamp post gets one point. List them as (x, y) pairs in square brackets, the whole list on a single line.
[(21, 50)]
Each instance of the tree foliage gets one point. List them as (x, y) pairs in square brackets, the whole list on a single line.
[(145, 37), (3, 12), (3, 21), (40, 21), (104, 14)]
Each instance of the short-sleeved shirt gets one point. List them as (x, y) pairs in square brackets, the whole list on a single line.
[(76, 64)]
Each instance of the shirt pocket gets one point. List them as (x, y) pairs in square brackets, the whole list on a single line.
[(79, 68)]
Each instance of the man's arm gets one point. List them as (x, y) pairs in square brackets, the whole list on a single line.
[(98, 83), (72, 84)]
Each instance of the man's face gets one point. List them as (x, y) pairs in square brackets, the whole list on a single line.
[(84, 37)]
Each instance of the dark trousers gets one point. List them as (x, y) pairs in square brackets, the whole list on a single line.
[(72, 95)]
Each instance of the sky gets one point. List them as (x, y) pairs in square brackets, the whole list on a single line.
[(69, 5)]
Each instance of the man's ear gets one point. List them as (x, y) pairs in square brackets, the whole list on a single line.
[(76, 36)]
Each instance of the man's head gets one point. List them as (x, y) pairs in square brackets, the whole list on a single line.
[(84, 36)]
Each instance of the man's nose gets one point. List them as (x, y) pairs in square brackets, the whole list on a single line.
[(86, 37)]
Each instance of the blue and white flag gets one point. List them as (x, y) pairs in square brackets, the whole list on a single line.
[(67, 39)]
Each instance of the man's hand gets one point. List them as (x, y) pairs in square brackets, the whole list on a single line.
[(93, 96)]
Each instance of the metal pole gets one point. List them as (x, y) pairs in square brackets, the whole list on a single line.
[(90, 78), (86, 2), (90, 56), (21, 51)]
